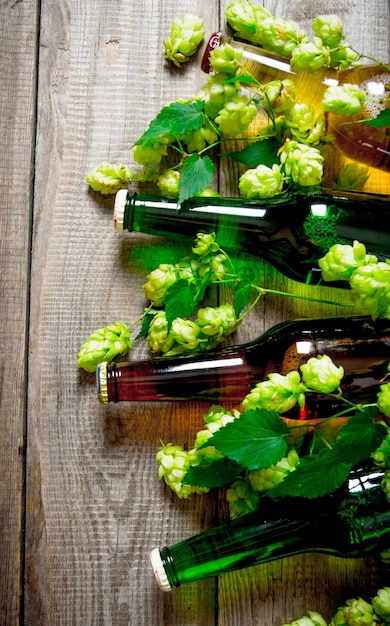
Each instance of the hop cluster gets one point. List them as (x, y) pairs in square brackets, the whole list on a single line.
[(257, 25), (187, 33), (174, 463), (279, 393), (236, 115), (369, 278), (328, 48), (104, 345), (211, 326), (355, 612)]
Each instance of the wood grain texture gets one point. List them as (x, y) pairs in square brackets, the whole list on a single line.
[(18, 34), (94, 505)]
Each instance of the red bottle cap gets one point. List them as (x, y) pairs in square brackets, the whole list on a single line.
[(212, 43)]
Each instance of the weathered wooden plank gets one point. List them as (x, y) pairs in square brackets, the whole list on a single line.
[(18, 32), (95, 505)]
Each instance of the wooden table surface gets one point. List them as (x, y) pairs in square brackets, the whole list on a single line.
[(80, 502)]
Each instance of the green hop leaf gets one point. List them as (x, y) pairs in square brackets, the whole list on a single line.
[(175, 119), (260, 152), (196, 173), (314, 477), (257, 439), (382, 120), (213, 473)]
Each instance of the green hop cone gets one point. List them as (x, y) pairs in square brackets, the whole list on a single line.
[(341, 260), (353, 176), (329, 28), (225, 59), (266, 478), (381, 456), (187, 33), (169, 182), (185, 333), (279, 393), (381, 603), (355, 612), (261, 182), (235, 116), (104, 345), (217, 322), (384, 399), (347, 99), (158, 282), (310, 55), (280, 95), (370, 289), (313, 619), (215, 418), (150, 152), (109, 178), (302, 163), (216, 92), (197, 140), (159, 338), (245, 18), (174, 463), (278, 35), (242, 498), (321, 374), (205, 244)]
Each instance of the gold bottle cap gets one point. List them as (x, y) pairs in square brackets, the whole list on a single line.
[(159, 571), (101, 382), (119, 209)]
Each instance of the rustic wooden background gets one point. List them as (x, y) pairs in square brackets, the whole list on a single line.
[(80, 502)]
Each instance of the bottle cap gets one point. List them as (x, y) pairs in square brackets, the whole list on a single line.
[(101, 382), (159, 571), (212, 43), (119, 209)]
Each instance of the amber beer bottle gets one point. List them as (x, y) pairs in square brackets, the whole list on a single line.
[(352, 522), (291, 232), (359, 344), (352, 138)]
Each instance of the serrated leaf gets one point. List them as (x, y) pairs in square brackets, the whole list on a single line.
[(264, 151), (242, 296), (380, 121), (257, 439), (314, 477), (358, 438), (175, 119), (180, 300), (212, 474), (196, 173), (146, 320)]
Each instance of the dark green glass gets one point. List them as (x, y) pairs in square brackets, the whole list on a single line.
[(352, 522), (291, 232)]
